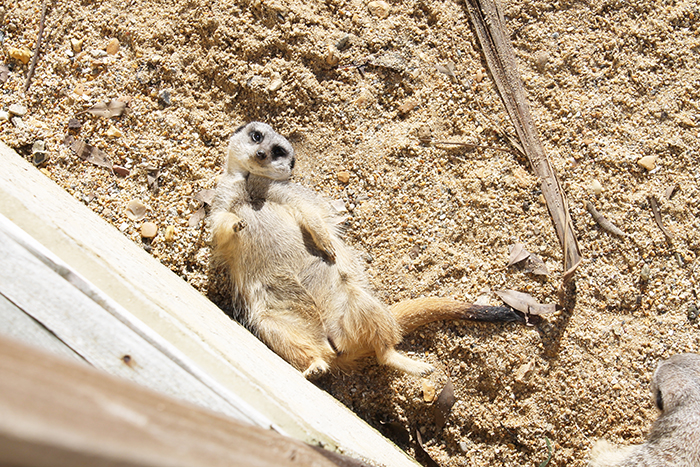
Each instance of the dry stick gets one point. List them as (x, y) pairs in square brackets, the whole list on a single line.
[(603, 222), (35, 57), (500, 59), (657, 218)]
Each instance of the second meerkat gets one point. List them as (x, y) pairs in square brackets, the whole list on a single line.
[(302, 290)]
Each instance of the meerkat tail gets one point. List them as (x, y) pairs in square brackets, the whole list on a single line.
[(412, 314)]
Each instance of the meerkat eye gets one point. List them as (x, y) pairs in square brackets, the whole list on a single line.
[(256, 136), (659, 401), (278, 152)]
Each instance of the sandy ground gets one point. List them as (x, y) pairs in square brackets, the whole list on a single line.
[(353, 85)]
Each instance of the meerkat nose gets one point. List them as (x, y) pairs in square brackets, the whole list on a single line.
[(261, 155)]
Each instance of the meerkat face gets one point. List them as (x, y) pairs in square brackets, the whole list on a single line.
[(677, 382), (258, 149)]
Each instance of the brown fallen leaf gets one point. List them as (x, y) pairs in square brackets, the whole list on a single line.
[(518, 253), (108, 109), (428, 461), (670, 192), (205, 196), (197, 217), (88, 152), (444, 404), (535, 265), (4, 73), (525, 303), (447, 69)]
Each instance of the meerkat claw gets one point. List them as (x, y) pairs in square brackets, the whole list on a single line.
[(238, 226)]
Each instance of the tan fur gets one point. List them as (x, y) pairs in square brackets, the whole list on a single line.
[(302, 289), (674, 439)]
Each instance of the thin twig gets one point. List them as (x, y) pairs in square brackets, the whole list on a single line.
[(603, 222), (657, 217), (37, 47)]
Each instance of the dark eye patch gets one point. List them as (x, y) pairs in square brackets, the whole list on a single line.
[(659, 401), (278, 152)]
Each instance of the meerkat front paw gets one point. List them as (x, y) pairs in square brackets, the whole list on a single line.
[(239, 225), (325, 245)]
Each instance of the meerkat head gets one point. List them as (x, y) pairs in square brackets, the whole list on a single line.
[(256, 148), (677, 382)]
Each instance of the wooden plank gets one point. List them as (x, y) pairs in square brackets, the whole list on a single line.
[(36, 283), (181, 315), (46, 419), (16, 324)]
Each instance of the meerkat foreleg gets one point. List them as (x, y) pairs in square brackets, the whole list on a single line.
[(318, 229)]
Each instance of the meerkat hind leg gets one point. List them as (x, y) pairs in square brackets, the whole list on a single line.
[(390, 357)]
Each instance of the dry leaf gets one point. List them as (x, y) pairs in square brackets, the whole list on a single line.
[(444, 404), (108, 109), (87, 152), (535, 265), (517, 254), (197, 217), (429, 461), (525, 303), (4, 73), (205, 196), (447, 69)]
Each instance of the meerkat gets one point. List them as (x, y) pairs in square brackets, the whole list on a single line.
[(302, 290), (674, 439)]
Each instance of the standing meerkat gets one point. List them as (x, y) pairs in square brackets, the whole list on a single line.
[(301, 289), (674, 439)]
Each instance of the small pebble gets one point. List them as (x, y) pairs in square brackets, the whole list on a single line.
[(407, 106), (23, 55), (596, 187), (149, 230), (541, 59), (121, 171), (39, 158), (380, 9), (169, 233), (344, 176), (645, 274), (4, 116), (524, 372), (425, 134), (113, 132), (18, 109), (275, 82), (164, 99), (76, 45), (648, 162), (17, 122), (692, 312), (428, 391), (113, 46), (332, 57), (74, 124), (343, 43), (135, 210)]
